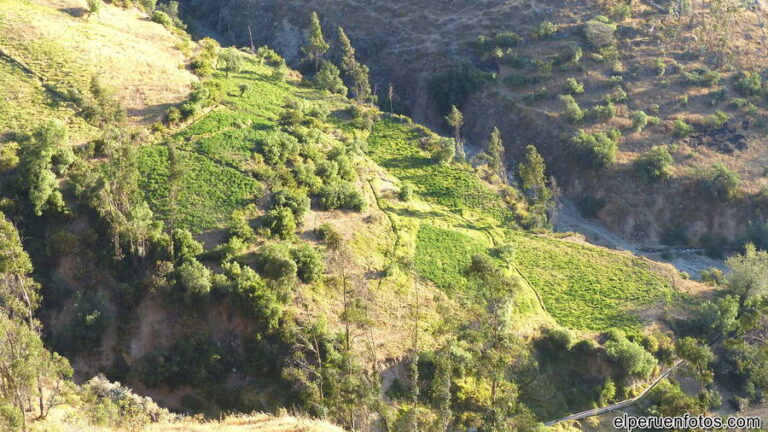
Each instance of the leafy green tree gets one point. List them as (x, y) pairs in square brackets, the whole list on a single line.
[(720, 182), (329, 78), (654, 165), (573, 111), (494, 155), (531, 172), (456, 120), (630, 356), (186, 247), (195, 278), (639, 120), (355, 71), (94, 6), (317, 46), (697, 354), (596, 150), (341, 195), (232, 60), (37, 164), (309, 262), (681, 129), (281, 222), (748, 275)]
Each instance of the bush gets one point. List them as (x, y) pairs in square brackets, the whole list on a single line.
[(195, 278), (278, 147), (573, 112), (445, 150), (660, 66), (603, 112), (188, 362), (573, 86), (654, 165), (87, 324), (631, 357), (185, 246), (702, 77), (274, 262), (328, 78), (11, 418), (596, 150), (329, 235), (749, 83), (161, 17), (280, 222), (720, 182), (309, 263), (406, 192), (682, 129), (639, 120), (545, 30), (295, 200), (600, 32), (341, 195), (717, 120)]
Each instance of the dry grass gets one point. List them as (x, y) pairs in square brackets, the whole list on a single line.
[(136, 57), (249, 423)]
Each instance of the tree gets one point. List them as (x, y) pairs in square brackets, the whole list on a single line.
[(720, 182), (494, 155), (456, 120), (531, 172), (630, 356), (328, 78), (654, 165), (748, 275), (94, 6), (355, 71), (233, 61), (37, 164), (697, 354), (317, 46)]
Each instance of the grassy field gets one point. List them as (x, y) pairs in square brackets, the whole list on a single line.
[(395, 147), (586, 287), (442, 255), (209, 192)]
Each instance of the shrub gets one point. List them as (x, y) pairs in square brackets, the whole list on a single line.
[(682, 129), (329, 235), (600, 32), (161, 17), (280, 222), (295, 200), (9, 156), (445, 150), (309, 263), (717, 120), (654, 165), (231, 60), (639, 120), (406, 192), (188, 362), (573, 111), (660, 66), (195, 278), (596, 150), (341, 195), (62, 159), (278, 147), (328, 78), (702, 77), (720, 182), (87, 324), (631, 357), (573, 86), (545, 30), (185, 246), (274, 262), (604, 112), (11, 418), (749, 83)]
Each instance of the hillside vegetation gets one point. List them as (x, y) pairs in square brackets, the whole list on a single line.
[(274, 241)]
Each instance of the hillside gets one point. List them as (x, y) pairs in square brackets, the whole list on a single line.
[(224, 234), (671, 65)]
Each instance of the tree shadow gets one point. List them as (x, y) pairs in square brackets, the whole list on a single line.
[(76, 12)]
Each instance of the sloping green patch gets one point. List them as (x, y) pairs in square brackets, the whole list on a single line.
[(442, 256), (208, 193), (395, 146), (586, 287)]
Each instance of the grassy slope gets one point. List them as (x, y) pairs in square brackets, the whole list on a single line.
[(64, 48), (582, 286)]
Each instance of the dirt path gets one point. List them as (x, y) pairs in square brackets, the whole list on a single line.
[(618, 405), (691, 261)]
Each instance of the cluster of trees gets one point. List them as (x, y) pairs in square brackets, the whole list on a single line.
[(327, 75)]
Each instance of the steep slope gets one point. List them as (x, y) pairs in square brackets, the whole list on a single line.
[(51, 47), (673, 65), (258, 248)]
